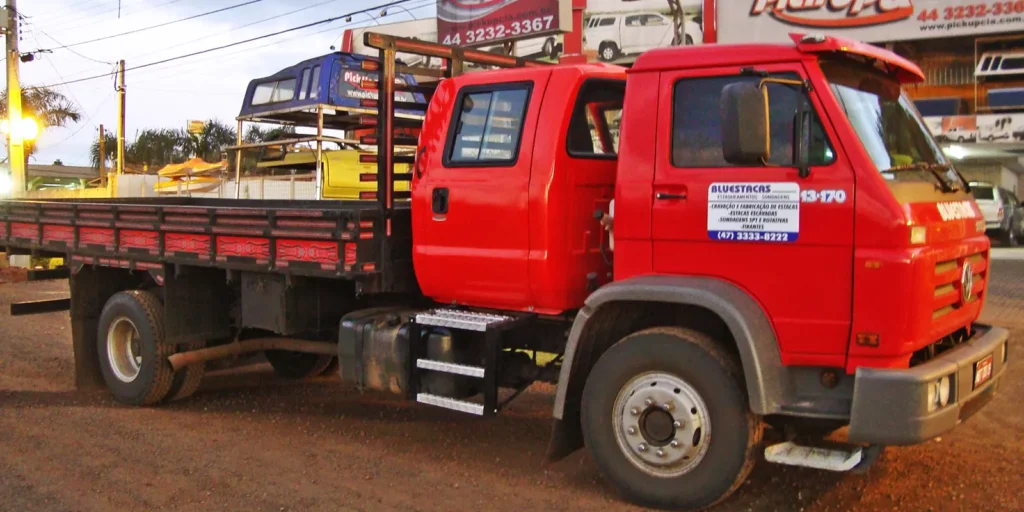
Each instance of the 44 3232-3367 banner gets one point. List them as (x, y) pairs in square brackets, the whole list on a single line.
[(479, 22)]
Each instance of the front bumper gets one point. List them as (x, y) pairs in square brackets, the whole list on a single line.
[(891, 406)]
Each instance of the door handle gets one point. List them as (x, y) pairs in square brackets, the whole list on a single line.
[(439, 201), (665, 196)]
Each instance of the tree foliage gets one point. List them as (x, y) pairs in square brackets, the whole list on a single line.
[(157, 147), (50, 108)]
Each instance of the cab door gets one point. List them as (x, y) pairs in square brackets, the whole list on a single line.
[(786, 240), (470, 208)]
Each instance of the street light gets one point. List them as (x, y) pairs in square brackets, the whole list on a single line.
[(5, 184), (29, 128)]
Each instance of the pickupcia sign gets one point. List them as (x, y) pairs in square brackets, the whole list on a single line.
[(868, 20), (840, 13)]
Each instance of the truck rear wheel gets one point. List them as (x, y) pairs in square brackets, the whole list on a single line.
[(133, 357), (297, 365), (187, 380), (332, 367), (666, 418)]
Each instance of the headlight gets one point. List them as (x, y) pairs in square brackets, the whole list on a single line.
[(918, 235), (944, 388), (939, 393)]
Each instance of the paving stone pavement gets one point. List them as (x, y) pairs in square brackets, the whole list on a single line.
[(1005, 303)]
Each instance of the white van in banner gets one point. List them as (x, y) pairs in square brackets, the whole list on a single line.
[(866, 20)]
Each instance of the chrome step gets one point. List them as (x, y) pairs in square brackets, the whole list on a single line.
[(830, 459), (451, 403), (457, 369), (465, 320)]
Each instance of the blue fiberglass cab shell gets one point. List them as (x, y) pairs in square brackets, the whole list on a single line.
[(334, 79)]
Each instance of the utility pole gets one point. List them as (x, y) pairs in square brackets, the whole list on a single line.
[(120, 117), (103, 157), (15, 142)]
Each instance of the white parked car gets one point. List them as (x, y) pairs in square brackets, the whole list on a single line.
[(1004, 216), (960, 134), (616, 34)]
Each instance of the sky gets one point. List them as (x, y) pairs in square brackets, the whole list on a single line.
[(208, 86)]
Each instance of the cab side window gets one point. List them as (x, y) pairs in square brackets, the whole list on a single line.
[(594, 127), (487, 125), (697, 123)]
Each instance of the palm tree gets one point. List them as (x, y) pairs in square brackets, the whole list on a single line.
[(158, 147), (152, 147), (49, 107), (109, 150), (211, 142), (257, 134)]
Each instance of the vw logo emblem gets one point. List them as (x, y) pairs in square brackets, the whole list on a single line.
[(966, 282)]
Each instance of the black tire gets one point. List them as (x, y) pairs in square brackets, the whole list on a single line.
[(608, 52), (549, 48), (297, 365), (697, 361), (154, 377), (187, 381), (1008, 238), (332, 368), (688, 40)]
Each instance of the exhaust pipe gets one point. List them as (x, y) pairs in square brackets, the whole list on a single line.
[(193, 357)]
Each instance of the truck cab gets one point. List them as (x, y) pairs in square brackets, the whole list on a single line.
[(514, 164), (785, 202)]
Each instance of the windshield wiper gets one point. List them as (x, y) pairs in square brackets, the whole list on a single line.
[(938, 170)]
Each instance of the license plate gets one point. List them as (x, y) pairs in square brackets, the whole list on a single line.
[(982, 371)]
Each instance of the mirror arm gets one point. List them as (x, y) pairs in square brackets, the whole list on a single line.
[(800, 152)]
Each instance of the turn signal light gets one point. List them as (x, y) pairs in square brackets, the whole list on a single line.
[(918, 235), (867, 339)]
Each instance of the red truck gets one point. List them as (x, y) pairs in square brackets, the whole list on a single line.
[(718, 239)]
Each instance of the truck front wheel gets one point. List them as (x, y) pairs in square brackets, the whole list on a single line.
[(133, 356), (666, 418), (297, 365)]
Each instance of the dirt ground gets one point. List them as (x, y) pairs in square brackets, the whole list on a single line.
[(249, 441)]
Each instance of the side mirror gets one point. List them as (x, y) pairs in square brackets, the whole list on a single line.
[(746, 139)]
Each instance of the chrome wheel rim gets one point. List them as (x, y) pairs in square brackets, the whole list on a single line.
[(608, 53), (124, 349), (662, 424)]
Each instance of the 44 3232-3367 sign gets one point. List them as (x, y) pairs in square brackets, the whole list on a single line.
[(479, 22)]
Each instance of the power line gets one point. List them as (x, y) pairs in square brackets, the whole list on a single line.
[(276, 16), (84, 124), (422, 4), (104, 38), (55, 70), (65, 26), (83, 11), (41, 31), (229, 45)]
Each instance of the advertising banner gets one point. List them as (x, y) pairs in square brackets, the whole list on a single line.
[(865, 20), (480, 22), (985, 128), (613, 31)]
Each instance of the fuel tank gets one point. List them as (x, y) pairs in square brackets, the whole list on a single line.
[(373, 353)]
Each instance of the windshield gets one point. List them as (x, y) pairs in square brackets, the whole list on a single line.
[(888, 124)]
